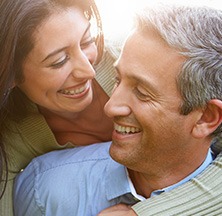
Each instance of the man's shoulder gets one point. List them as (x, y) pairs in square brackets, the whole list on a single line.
[(78, 155), (62, 178)]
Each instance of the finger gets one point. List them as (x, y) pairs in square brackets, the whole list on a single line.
[(117, 207)]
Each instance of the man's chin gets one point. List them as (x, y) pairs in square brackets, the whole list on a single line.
[(118, 153)]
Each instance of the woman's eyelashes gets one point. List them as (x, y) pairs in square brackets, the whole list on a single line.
[(60, 62)]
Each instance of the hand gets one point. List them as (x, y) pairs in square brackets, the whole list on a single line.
[(118, 210)]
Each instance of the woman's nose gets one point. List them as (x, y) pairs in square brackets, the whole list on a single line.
[(82, 67)]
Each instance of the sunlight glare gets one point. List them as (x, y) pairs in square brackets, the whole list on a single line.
[(117, 15)]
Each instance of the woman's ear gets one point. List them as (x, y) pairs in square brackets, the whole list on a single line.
[(210, 119)]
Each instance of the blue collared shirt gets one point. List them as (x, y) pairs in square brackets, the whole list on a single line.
[(78, 182), (210, 157)]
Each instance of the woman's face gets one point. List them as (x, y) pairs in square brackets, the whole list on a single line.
[(58, 71)]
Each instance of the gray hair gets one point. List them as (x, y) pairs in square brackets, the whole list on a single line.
[(196, 32)]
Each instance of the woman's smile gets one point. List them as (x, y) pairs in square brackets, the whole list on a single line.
[(76, 91)]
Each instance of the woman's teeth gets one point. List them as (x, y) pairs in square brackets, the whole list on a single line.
[(74, 91)]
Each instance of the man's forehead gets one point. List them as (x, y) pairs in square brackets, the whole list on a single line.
[(147, 53)]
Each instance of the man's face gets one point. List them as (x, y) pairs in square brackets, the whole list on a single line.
[(145, 106)]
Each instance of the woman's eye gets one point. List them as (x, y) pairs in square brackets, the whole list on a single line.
[(87, 43), (60, 62)]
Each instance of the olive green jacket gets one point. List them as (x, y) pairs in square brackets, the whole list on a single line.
[(200, 196), (32, 136)]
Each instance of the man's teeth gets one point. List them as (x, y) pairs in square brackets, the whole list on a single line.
[(74, 92), (126, 130)]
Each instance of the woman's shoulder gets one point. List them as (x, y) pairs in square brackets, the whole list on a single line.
[(26, 139)]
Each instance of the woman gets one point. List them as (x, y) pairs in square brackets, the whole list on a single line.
[(49, 98)]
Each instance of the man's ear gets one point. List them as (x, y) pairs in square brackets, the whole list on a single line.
[(210, 119)]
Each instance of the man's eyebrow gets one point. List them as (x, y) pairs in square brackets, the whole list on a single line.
[(138, 79), (63, 48), (115, 65)]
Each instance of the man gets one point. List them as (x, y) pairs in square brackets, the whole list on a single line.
[(167, 110)]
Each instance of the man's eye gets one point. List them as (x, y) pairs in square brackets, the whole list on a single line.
[(87, 43), (141, 95), (60, 62)]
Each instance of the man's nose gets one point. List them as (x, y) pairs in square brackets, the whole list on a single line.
[(119, 103)]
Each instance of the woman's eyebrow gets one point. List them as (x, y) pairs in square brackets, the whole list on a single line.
[(54, 53), (63, 48)]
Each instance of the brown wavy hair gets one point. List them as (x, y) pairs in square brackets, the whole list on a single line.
[(18, 21)]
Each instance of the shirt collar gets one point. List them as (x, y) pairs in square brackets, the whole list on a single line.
[(118, 182), (203, 166)]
